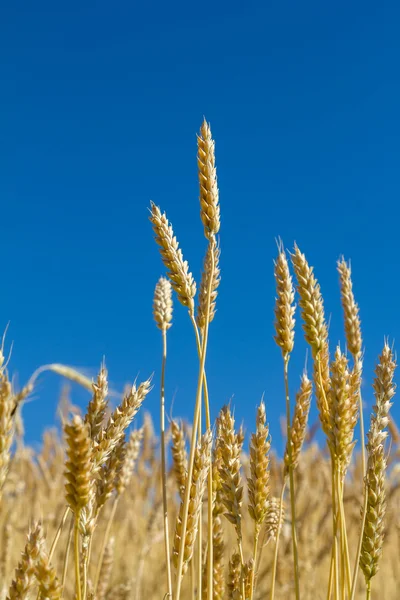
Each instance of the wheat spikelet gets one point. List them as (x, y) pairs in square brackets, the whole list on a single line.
[(234, 577), (162, 304), (106, 570), (231, 447), (258, 483), (373, 535), (352, 324), (132, 450), (118, 422), (49, 586), (311, 303), (316, 334), (179, 456), (205, 283), (97, 407), (299, 423), (344, 396), (178, 270), (209, 197), (248, 571), (197, 488), (108, 474), (284, 306), (24, 577), (272, 522), (79, 473)]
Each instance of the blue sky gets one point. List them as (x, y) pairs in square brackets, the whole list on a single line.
[(99, 108)]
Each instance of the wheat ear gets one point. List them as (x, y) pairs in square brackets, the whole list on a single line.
[(299, 423), (24, 577), (215, 275), (259, 481), (373, 535), (209, 195), (178, 270), (179, 456), (119, 421), (97, 407)]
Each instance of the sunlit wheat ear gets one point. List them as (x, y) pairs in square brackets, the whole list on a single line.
[(344, 396), (197, 488), (284, 306), (6, 425), (231, 448), (372, 541), (178, 269), (179, 456), (108, 473), (316, 334), (131, 454), (162, 304), (272, 522), (119, 421), (299, 423), (97, 407), (234, 577), (259, 481), (24, 577), (106, 570), (49, 585), (209, 196), (79, 471), (311, 303), (204, 285), (248, 574), (352, 324)]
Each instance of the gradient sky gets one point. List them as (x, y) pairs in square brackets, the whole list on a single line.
[(99, 107)]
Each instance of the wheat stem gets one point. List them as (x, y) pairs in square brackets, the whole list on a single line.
[(193, 443), (291, 481), (275, 563), (164, 466), (104, 543)]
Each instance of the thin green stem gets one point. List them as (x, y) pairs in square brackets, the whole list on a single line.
[(291, 480), (193, 440), (278, 534), (368, 596), (164, 466)]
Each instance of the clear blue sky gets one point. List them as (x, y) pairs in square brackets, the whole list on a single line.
[(99, 107)]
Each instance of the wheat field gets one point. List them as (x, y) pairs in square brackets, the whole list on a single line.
[(106, 509)]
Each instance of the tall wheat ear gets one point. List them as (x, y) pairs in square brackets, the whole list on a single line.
[(178, 269), (372, 542)]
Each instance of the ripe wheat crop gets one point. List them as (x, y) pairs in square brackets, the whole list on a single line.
[(106, 509)]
